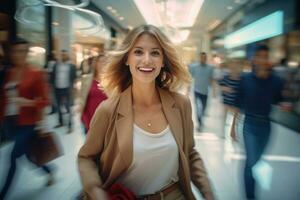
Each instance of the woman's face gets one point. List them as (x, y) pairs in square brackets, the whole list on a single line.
[(145, 59)]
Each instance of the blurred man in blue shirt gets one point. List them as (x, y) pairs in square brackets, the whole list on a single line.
[(258, 90), (202, 74)]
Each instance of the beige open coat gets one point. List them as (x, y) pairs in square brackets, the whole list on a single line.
[(108, 150)]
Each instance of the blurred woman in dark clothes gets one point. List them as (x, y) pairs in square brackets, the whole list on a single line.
[(23, 97)]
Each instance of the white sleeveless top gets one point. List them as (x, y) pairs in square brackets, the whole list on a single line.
[(155, 162)]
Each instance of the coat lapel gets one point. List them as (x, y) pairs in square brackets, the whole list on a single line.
[(172, 114), (124, 127)]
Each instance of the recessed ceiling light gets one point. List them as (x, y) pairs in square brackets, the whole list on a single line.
[(121, 18), (229, 7), (237, 1), (213, 24), (109, 8), (114, 11), (130, 27), (55, 23)]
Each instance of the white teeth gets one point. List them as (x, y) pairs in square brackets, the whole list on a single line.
[(146, 69)]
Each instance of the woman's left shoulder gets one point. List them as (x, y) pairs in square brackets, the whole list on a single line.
[(180, 99)]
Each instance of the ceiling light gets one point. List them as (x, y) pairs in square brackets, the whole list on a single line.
[(37, 49), (149, 12), (229, 7), (121, 18), (179, 37), (293, 64), (109, 8), (193, 48), (113, 11), (237, 1), (170, 13), (55, 23), (213, 24), (130, 27)]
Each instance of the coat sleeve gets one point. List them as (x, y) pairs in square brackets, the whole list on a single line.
[(91, 150), (198, 172)]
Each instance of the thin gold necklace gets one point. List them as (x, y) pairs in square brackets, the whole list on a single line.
[(148, 122)]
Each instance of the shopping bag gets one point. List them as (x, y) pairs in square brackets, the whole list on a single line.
[(44, 147)]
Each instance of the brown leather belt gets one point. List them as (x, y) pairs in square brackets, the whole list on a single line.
[(160, 194)]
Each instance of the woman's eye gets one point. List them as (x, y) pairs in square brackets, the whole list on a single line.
[(155, 53), (138, 52)]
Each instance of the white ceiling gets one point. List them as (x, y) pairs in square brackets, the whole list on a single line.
[(210, 11)]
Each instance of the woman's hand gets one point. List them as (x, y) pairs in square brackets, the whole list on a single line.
[(99, 194)]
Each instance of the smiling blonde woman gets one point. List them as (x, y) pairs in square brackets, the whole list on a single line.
[(142, 137)]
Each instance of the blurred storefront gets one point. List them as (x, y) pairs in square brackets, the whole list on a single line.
[(52, 28), (275, 23)]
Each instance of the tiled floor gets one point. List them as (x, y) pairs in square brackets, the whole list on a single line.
[(278, 173)]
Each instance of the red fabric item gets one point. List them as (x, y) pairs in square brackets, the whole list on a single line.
[(33, 85), (94, 98), (119, 192)]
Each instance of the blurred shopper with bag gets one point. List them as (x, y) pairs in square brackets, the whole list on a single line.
[(23, 97)]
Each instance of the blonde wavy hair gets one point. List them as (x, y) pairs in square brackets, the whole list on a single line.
[(116, 76)]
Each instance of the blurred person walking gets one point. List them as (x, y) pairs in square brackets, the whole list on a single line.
[(52, 61), (63, 78), (91, 93), (202, 74), (141, 138), (229, 85), (257, 91), (23, 97)]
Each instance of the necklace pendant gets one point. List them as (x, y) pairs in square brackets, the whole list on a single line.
[(149, 124)]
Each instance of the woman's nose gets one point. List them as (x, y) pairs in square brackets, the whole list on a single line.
[(146, 58)]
